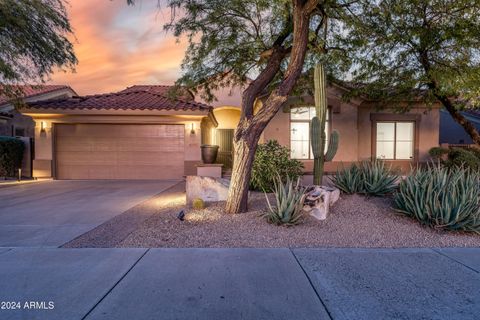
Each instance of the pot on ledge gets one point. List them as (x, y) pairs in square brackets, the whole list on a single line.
[(209, 153)]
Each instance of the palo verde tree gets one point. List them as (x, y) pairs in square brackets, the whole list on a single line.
[(33, 41), (262, 44), (417, 50)]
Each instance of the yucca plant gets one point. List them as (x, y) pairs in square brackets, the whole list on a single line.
[(289, 197), (439, 197), (377, 178), (348, 180)]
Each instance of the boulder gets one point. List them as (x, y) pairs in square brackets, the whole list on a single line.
[(318, 200), (206, 188)]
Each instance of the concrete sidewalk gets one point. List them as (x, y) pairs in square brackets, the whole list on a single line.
[(240, 283)]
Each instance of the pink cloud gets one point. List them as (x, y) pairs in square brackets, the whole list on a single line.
[(119, 45)]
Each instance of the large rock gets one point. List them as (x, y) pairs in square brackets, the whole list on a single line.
[(318, 200), (206, 188)]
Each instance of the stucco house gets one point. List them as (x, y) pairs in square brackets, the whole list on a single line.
[(141, 133), (13, 123)]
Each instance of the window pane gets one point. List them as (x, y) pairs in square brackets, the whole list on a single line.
[(385, 131), (385, 149), (300, 131), (299, 149), (404, 150), (405, 131), (299, 140), (300, 113)]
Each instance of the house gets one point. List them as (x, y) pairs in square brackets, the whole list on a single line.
[(142, 133), (453, 133), (17, 125)]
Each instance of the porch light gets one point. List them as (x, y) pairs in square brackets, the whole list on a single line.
[(43, 126), (192, 131)]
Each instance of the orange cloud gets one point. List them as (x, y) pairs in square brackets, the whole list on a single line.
[(119, 45)]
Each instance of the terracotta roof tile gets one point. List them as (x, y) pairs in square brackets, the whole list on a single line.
[(123, 100), (31, 91)]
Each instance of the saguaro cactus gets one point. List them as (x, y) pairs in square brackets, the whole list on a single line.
[(317, 131)]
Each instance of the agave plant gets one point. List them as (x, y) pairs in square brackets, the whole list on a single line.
[(289, 197), (441, 197), (348, 180), (377, 178)]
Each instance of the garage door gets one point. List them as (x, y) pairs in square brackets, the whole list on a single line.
[(119, 151)]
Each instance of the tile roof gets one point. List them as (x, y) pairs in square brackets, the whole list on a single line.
[(123, 100), (160, 89), (31, 91)]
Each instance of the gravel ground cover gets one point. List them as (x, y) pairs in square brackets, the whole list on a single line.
[(355, 221)]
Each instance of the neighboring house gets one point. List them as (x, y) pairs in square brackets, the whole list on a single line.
[(16, 124), (140, 133), (453, 133)]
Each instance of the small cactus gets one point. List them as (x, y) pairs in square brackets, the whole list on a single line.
[(317, 131), (198, 204)]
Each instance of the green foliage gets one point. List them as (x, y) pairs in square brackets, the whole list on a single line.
[(11, 156), (198, 204), (272, 159), (372, 178), (33, 41), (348, 180), (415, 51), (441, 197), (457, 157), (289, 197), (437, 153), (377, 178)]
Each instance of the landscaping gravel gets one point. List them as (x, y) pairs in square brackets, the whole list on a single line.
[(354, 221)]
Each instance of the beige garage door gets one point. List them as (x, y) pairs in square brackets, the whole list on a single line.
[(119, 151)]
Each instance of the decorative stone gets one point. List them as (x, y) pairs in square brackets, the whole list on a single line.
[(318, 200), (206, 188)]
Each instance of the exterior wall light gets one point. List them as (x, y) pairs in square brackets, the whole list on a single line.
[(43, 126), (192, 131)]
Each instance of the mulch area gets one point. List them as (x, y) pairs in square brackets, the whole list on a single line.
[(354, 221)]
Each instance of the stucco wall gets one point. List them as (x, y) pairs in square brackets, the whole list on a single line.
[(227, 118)]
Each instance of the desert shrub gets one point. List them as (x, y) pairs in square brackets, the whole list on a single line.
[(440, 197), (377, 178), (289, 197), (272, 159), (11, 156), (348, 180), (437, 153), (457, 157), (372, 178)]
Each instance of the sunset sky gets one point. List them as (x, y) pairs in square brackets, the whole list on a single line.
[(119, 45)]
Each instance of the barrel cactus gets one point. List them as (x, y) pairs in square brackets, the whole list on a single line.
[(317, 132)]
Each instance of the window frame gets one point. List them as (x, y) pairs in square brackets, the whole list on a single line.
[(396, 118), (328, 123)]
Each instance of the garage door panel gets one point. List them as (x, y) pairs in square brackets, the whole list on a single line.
[(107, 151)]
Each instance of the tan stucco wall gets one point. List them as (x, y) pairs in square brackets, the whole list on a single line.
[(355, 128), (44, 141), (227, 117)]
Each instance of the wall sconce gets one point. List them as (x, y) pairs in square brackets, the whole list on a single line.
[(192, 131), (43, 126)]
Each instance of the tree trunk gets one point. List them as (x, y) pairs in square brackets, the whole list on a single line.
[(460, 119), (244, 150)]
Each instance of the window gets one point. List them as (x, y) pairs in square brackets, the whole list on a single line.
[(395, 140), (300, 131)]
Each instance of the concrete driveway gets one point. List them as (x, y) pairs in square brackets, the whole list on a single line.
[(51, 213)]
